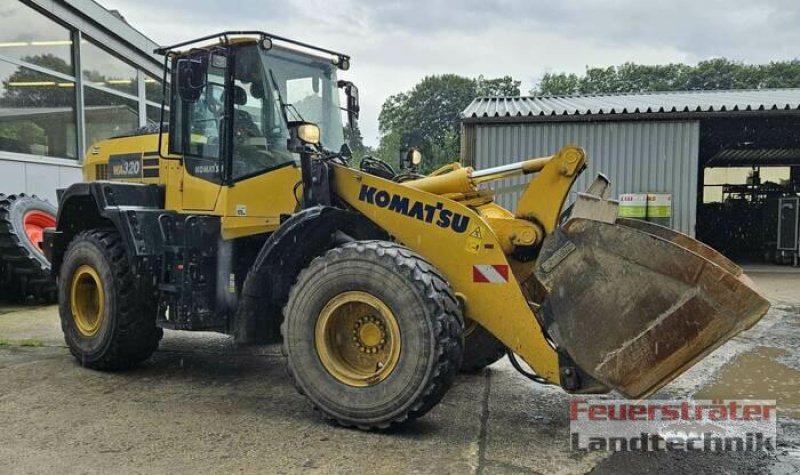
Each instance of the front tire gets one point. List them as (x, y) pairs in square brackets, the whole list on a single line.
[(373, 334), (107, 323)]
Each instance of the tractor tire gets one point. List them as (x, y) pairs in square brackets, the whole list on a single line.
[(25, 269), (107, 323), (481, 348), (348, 315)]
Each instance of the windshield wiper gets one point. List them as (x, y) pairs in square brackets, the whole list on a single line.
[(284, 106)]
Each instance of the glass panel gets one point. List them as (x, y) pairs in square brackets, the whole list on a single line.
[(197, 113), (37, 113), (108, 115), (154, 115), (153, 89), (103, 69), (30, 36), (308, 87), (256, 148)]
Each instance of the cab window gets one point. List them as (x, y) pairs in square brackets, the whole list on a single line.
[(259, 131), (197, 113)]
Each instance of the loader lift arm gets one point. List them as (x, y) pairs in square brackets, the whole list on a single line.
[(564, 297), (460, 242)]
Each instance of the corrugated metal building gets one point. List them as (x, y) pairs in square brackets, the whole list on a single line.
[(657, 142)]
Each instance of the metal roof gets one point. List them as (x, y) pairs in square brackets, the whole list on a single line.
[(547, 108), (744, 157)]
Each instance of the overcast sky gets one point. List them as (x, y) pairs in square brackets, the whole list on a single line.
[(396, 43)]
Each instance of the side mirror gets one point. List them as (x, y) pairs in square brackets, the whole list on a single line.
[(353, 106), (302, 135), (191, 78)]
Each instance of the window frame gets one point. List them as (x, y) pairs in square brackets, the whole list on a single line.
[(77, 105), (73, 22)]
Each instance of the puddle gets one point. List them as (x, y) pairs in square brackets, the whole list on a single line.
[(758, 374)]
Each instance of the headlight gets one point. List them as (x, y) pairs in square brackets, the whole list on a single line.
[(413, 158)]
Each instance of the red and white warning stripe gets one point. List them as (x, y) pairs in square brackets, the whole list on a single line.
[(490, 274)]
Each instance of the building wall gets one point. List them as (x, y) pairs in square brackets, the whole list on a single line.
[(643, 156), (41, 177), (71, 74)]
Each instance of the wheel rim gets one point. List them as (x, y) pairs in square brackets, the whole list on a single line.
[(87, 301), (34, 223), (357, 339)]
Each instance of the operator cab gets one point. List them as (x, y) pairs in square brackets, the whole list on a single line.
[(237, 100)]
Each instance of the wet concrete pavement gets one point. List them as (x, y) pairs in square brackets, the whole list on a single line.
[(200, 405)]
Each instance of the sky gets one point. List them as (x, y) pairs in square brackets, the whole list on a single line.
[(394, 44)]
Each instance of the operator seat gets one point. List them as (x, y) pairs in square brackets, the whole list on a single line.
[(244, 126)]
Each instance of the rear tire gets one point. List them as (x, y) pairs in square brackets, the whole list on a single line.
[(25, 271), (481, 348), (384, 297), (107, 323)]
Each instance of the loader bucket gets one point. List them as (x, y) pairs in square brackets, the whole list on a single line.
[(635, 304)]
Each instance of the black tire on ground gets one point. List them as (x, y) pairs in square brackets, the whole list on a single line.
[(25, 271), (481, 348), (126, 333), (429, 324)]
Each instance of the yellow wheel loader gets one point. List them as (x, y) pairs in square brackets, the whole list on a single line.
[(241, 215)]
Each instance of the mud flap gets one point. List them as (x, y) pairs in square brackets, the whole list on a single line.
[(635, 304)]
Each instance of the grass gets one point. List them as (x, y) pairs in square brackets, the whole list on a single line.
[(31, 343)]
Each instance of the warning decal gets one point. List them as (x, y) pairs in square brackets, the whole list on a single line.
[(490, 274), (474, 241)]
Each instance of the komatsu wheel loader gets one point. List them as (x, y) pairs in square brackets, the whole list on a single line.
[(242, 216)]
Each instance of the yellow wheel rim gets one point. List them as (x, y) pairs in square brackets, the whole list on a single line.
[(357, 339), (87, 300)]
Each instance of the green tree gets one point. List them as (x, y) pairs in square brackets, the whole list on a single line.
[(428, 116), (558, 84), (504, 86), (355, 140), (390, 148), (718, 73)]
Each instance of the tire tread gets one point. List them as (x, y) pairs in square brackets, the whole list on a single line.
[(136, 336), (23, 274), (441, 302)]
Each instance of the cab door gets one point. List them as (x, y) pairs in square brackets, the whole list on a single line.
[(197, 126), (264, 174)]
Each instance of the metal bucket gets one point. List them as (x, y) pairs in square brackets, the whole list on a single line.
[(635, 304)]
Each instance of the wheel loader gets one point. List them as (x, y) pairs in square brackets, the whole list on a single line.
[(242, 215)]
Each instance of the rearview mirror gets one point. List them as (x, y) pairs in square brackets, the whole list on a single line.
[(191, 78), (353, 106)]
